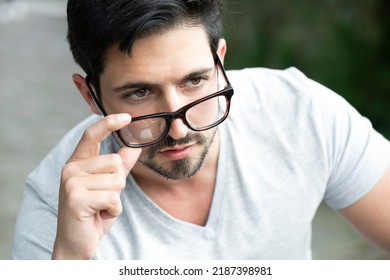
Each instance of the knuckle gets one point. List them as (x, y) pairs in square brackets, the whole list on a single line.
[(74, 199), (116, 163), (118, 209), (120, 182), (88, 134), (113, 198), (109, 122), (115, 159), (72, 183), (115, 183), (69, 169)]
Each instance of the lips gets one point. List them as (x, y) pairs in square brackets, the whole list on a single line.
[(178, 153)]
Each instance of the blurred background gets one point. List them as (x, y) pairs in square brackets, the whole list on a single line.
[(342, 44)]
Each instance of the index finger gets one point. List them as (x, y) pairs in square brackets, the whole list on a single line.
[(89, 144)]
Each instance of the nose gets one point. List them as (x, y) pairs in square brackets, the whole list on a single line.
[(178, 128)]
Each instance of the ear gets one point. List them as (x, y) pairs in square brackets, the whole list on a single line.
[(81, 85), (222, 48)]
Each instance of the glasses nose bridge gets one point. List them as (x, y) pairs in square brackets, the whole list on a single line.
[(180, 114)]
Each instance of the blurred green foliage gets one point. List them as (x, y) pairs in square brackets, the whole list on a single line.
[(343, 44)]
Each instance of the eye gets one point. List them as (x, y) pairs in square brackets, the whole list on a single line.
[(140, 93), (137, 95), (195, 82)]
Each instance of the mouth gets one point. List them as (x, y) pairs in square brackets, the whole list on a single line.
[(177, 153)]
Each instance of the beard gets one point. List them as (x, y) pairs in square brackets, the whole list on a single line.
[(178, 169)]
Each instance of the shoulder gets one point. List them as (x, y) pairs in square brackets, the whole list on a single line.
[(277, 83), (276, 98), (295, 113), (287, 91), (44, 179), (266, 78), (268, 88)]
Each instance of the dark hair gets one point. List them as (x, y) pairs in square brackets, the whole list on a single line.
[(96, 25)]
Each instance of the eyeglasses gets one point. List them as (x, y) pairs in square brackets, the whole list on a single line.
[(202, 114)]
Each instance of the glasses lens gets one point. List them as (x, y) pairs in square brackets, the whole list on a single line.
[(143, 131), (207, 113)]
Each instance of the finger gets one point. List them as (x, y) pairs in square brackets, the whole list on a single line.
[(129, 158), (102, 164), (98, 182), (89, 144), (107, 201)]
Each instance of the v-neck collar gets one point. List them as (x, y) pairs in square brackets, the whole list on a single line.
[(162, 217)]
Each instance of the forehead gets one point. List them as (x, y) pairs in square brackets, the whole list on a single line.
[(160, 56)]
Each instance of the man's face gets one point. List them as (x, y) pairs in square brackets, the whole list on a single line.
[(164, 73)]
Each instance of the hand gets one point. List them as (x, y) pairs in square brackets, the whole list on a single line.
[(89, 197)]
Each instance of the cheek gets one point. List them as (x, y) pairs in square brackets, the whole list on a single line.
[(209, 136), (145, 154)]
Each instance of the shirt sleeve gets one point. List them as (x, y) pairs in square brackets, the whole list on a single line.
[(35, 226), (357, 154)]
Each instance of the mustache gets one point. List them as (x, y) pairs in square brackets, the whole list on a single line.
[(169, 142)]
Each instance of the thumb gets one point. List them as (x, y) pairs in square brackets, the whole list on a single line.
[(129, 157)]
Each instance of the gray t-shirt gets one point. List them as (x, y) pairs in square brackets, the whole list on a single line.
[(288, 144)]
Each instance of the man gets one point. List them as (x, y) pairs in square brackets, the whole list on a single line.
[(179, 167)]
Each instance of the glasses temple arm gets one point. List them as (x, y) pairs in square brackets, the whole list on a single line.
[(94, 97)]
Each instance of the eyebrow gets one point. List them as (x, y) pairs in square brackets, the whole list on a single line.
[(134, 85)]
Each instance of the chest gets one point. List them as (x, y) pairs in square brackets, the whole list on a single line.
[(190, 206), (241, 224)]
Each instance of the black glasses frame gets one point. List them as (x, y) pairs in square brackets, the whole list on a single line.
[(227, 92)]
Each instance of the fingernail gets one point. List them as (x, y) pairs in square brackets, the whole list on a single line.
[(124, 117)]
